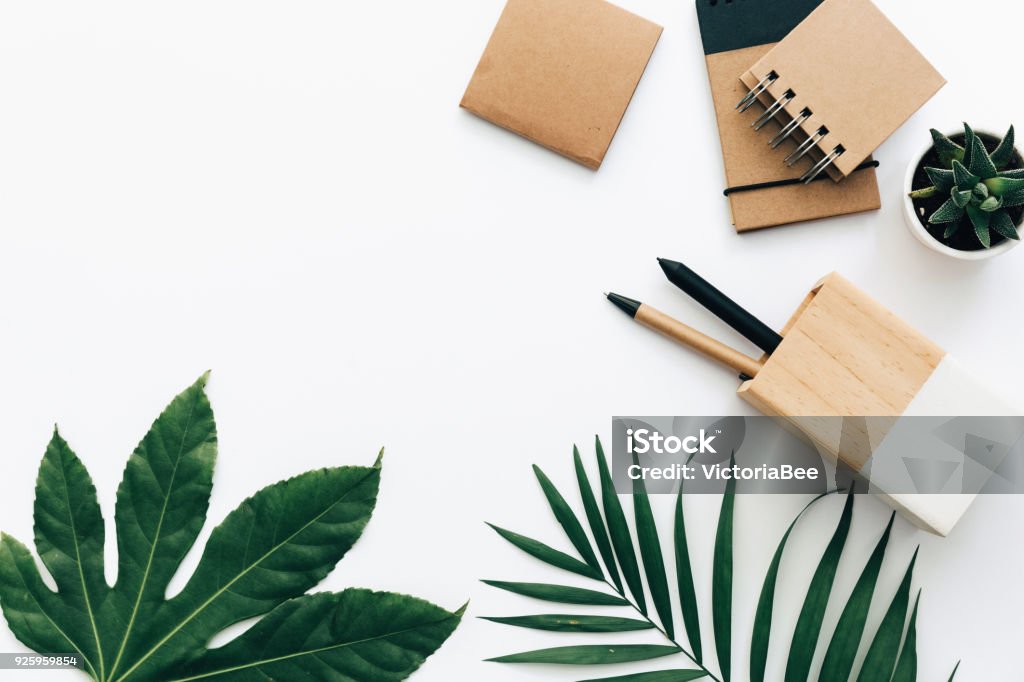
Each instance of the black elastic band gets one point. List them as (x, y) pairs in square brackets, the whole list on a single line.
[(791, 181)]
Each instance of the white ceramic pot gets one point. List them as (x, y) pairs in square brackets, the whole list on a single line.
[(917, 229)]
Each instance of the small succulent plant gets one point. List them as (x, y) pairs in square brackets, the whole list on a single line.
[(979, 186)]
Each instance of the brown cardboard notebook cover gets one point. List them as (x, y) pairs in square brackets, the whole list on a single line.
[(735, 35), (858, 75), (562, 72)]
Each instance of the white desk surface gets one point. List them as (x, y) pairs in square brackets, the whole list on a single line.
[(288, 193)]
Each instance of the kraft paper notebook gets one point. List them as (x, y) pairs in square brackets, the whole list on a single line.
[(846, 78), (562, 73), (735, 36)]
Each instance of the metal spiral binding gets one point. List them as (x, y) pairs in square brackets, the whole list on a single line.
[(790, 128), (827, 161), (756, 91), (801, 151), (772, 111)]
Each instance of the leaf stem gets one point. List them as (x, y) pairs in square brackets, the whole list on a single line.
[(664, 634)]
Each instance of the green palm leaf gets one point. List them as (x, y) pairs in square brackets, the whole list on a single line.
[(622, 541), (766, 604), (881, 657), (567, 519), (906, 667), (570, 623), (595, 521), (656, 676), (849, 631), (588, 654), (548, 554), (562, 594), (684, 578), (654, 561), (721, 581), (808, 625)]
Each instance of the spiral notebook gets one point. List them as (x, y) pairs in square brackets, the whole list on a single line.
[(843, 80), (736, 35)]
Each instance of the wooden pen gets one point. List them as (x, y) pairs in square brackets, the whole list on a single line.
[(686, 335)]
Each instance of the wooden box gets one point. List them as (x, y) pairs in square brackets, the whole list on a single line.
[(845, 355)]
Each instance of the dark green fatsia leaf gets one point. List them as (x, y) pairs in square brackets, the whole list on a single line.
[(650, 551), (595, 520), (766, 604), (351, 635), (981, 164), (947, 213), (622, 541), (906, 667), (590, 654), (69, 536), (1003, 153), (32, 611), (161, 507), (1002, 224), (881, 657), (570, 623), (842, 650), (946, 148), (721, 581), (684, 578), (270, 550), (808, 625), (548, 555), (562, 594), (656, 676), (567, 519)]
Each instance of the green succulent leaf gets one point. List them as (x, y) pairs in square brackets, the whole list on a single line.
[(940, 178), (969, 136), (766, 605), (980, 162), (906, 666), (650, 551), (961, 199), (849, 631), (965, 179), (951, 229), (881, 657), (1002, 224), (590, 654), (1003, 185), (561, 594), (946, 148), (622, 541), (684, 579), (547, 554), (980, 220), (567, 519), (956, 668), (656, 676), (1003, 153), (721, 580), (991, 204), (808, 625), (1014, 198), (1013, 173), (595, 520), (570, 623), (260, 560), (947, 213), (352, 635)]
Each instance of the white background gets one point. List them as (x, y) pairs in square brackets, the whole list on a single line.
[(288, 193)]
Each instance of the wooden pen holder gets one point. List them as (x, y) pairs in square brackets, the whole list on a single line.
[(845, 355)]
